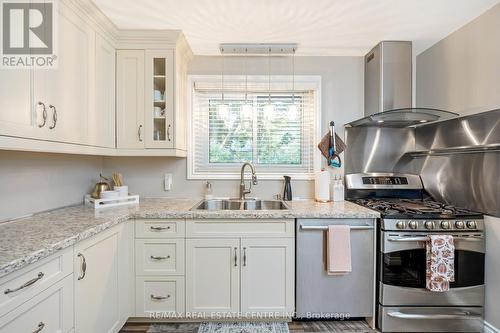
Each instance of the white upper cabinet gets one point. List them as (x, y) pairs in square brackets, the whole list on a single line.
[(159, 115), (151, 93), (101, 125), (65, 90), (113, 92), (130, 99), (16, 116), (72, 103)]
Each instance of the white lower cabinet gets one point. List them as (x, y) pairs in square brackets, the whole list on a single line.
[(159, 257), (159, 295), (99, 286), (159, 268), (51, 311), (92, 286), (212, 275), (267, 275), (239, 267)]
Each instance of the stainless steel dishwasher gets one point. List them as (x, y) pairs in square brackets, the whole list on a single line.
[(319, 295)]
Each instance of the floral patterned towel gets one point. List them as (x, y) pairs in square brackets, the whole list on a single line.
[(440, 262)]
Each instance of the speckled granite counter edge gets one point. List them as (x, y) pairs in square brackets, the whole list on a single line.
[(47, 251), (73, 239)]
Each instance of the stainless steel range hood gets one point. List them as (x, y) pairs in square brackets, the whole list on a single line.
[(388, 89)]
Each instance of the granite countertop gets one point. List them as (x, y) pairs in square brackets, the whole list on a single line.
[(26, 241)]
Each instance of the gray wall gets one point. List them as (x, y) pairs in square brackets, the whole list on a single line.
[(33, 182), (342, 101), (461, 73)]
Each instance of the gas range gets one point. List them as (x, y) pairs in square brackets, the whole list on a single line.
[(423, 215), (409, 216)]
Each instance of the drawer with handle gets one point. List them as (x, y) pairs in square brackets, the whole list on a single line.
[(51, 311), (159, 294), (159, 256), (159, 228), (18, 287)]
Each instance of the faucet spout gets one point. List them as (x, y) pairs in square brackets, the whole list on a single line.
[(243, 190)]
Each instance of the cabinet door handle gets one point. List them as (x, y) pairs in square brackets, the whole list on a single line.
[(25, 285), (44, 114), (54, 117), (41, 326), (244, 256), (159, 298), (84, 266), (139, 132), (168, 132), (160, 257), (235, 257), (159, 228)]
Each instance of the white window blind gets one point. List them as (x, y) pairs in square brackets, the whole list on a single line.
[(278, 141)]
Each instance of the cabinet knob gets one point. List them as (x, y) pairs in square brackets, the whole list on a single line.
[(159, 298), (44, 114), (235, 257), (84, 266), (54, 117), (40, 327), (139, 133), (244, 256), (25, 285), (159, 228), (159, 257)]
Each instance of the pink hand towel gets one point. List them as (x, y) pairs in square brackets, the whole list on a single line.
[(338, 250), (440, 270)]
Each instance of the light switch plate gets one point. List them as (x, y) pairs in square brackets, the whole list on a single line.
[(168, 181)]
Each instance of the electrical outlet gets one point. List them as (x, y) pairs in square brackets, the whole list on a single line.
[(168, 181)]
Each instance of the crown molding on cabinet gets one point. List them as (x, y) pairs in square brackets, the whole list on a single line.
[(87, 10)]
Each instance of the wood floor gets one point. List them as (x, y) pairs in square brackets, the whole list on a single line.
[(347, 326)]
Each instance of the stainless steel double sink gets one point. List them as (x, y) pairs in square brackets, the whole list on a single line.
[(234, 204)]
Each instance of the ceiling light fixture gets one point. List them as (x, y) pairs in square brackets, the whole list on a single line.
[(223, 108), (247, 107), (269, 107), (293, 109)]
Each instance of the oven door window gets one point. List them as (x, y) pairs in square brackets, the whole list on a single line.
[(407, 268)]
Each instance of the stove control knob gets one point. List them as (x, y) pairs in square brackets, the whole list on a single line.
[(445, 224), (471, 225), (401, 224), (413, 224), (429, 225), (459, 225)]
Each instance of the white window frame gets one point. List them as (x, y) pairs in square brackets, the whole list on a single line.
[(302, 82)]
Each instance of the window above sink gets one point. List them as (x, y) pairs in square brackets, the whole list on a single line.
[(278, 139)]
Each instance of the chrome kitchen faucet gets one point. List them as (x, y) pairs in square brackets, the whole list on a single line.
[(243, 189)]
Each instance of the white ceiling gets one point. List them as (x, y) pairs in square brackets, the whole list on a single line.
[(320, 27)]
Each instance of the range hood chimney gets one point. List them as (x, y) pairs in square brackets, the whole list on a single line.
[(388, 85), (388, 89)]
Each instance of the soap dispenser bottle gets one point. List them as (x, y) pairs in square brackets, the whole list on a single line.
[(287, 192)]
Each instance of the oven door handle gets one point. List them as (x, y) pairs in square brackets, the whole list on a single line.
[(408, 239), (425, 239), (463, 315)]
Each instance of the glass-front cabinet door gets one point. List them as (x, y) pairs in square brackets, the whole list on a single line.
[(159, 99)]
